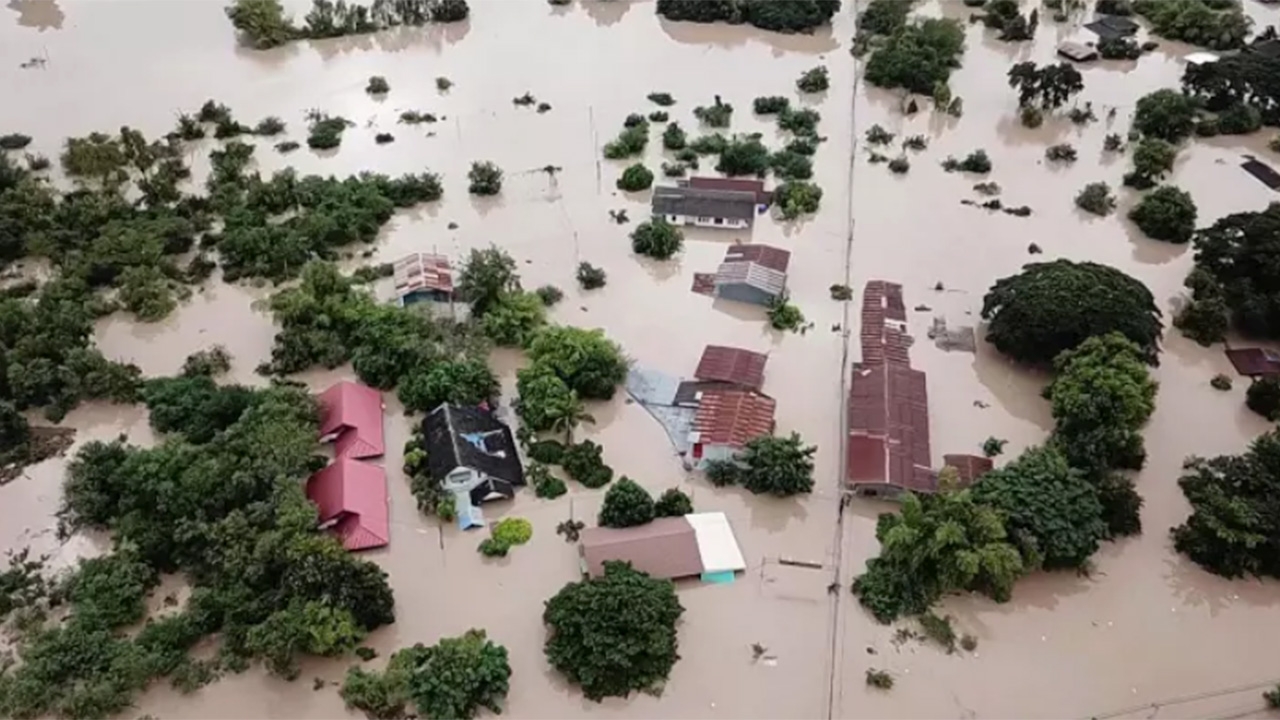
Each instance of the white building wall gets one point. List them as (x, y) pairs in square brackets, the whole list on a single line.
[(708, 222)]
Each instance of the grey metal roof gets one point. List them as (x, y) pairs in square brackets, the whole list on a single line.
[(700, 202), (754, 274)]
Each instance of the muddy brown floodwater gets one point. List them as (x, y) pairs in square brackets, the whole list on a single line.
[(1147, 628)]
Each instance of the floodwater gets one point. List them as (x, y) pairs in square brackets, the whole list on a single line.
[(1147, 628)]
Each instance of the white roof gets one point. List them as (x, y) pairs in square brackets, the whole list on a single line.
[(716, 542), (1199, 58)]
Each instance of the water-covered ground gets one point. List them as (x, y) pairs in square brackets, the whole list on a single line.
[(1147, 627)]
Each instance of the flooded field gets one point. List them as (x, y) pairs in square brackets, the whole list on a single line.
[(1145, 629)]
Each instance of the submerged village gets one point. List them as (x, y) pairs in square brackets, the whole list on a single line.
[(639, 359)]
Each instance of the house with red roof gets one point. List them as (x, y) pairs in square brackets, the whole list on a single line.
[(351, 418), (725, 421), (351, 496), (422, 277), (735, 366)]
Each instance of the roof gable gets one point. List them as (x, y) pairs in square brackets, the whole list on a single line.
[(353, 414), (354, 494)]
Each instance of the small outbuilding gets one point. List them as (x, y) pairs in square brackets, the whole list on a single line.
[(725, 421), (470, 451), (733, 366), (423, 277), (1110, 27), (705, 207), (351, 496), (351, 418), (1254, 362), (1077, 52), (755, 274), (698, 544), (1263, 172)]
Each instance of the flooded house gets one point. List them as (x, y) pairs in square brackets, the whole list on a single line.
[(732, 366), (764, 197), (1112, 27), (351, 496), (725, 421), (705, 206), (425, 280), (1254, 362), (351, 418), (755, 274), (696, 545), (1077, 51), (472, 455)]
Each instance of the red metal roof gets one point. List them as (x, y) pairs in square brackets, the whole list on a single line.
[(352, 498), (1253, 362), (733, 417), (736, 184), (351, 413), (732, 365), (704, 283), (763, 255), (422, 271), (970, 467)]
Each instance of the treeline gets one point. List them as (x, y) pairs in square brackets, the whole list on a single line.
[(779, 15), (228, 512), (264, 25), (1054, 505)]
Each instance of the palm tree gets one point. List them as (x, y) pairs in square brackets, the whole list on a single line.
[(569, 416)]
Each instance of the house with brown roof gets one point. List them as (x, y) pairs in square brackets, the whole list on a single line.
[(725, 421), (422, 277), (755, 187), (351, 497), (351, 418), (1254, 362), (735, 366), (695, 545), (755, 274)]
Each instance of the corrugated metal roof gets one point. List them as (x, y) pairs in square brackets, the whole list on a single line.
[(732, 365), (700, 202), (733, 417), (766, 255), (753, 274), (354, 494), (755, 187), (665, 548), (422, 271), (1254, 362), (353, 413)]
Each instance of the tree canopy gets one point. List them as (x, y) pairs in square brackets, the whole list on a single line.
[(793, 16), (936, 545), (779, 466), (1234, 254), (917, 56), (626, 504), (588, 362), (1215, 24), (487, 275), (657, 239), (1051, 511), (1166, 213), (1165, 114), (1246, 79), (263, 23), (614, 634), (1054, 306), (1050, 86), (1234, 527)]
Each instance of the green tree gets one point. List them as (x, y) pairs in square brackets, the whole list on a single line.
[(1263, 397), (1051, 510), (1215, 24), (609, 653), (814, 80), (1101, 396), (487, 276), (1166, 213), (1234, 252), (584, 462), (744, 155), (1049, 87), (917, 56), (1152, 160), (485, 177), (468, 381), (673, 503), (1233, 529), (626, 504), (545, 402), (1096, 198), (657, 239), (779, 466), (937, 545), (1054, 306), (15, 437), (797, 197), (514, 319), (195, 406), (588, 362), (1165, 114), (635, 178), (262, 22)]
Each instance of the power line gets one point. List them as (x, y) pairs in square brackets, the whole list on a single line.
[(1184, 699)]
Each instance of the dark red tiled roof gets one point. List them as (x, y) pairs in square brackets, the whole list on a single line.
[(733, 417), (970, 467), (704, 283), (732, 365), (763, 255), (1253, 362)]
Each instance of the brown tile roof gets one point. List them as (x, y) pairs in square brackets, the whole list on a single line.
[(732, 365), (1253, 362), (970, 467), (733, 417), (763, 255), (665, 548), (704, 283), (422, 271)]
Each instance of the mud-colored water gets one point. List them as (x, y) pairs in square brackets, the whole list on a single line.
[(1146, 627)]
